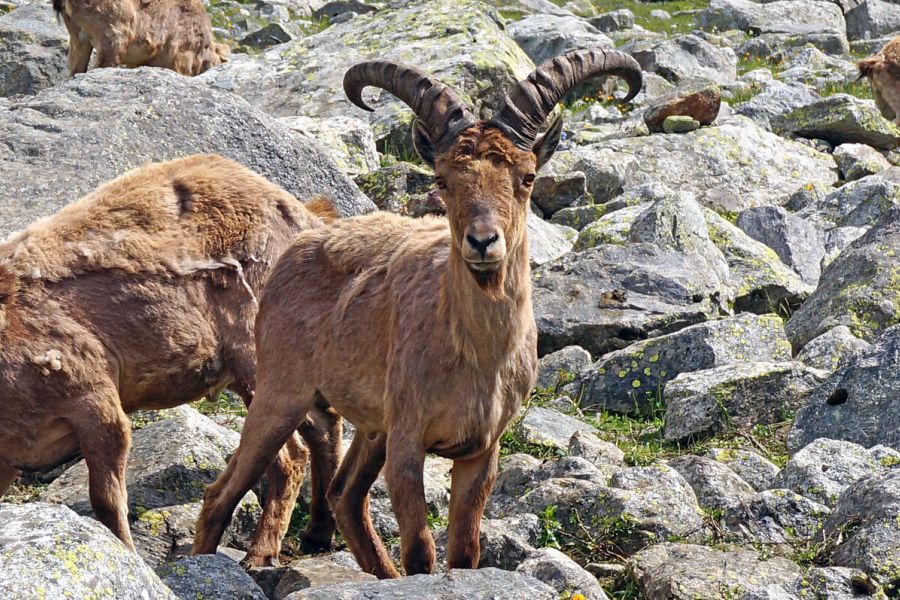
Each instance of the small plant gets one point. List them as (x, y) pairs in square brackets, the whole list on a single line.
[(550, 528)]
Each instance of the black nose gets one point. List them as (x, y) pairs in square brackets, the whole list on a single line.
[(482, 245)]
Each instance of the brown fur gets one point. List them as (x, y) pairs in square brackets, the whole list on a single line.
[(405, 338), (173, 34), (142, 295), (883, 73)]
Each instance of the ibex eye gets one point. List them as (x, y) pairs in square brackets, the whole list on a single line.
[(528, 179)]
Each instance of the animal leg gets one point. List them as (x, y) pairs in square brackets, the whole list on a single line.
[(273, 418), (405, 481), (471, 485), (79, 49), (322, 433), (8, 474), (112, 50), (349, 499), (105, 438)]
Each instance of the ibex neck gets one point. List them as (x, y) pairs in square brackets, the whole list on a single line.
[(487, 325)]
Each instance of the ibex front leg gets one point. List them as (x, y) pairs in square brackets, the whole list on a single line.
[(404, 476), (471, 485)]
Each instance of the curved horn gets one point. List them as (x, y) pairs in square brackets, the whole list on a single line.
[(436, 105), (527, 104)]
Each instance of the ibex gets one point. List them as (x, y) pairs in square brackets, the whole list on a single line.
[(142, 295), (173, 34), (420, 332), (883, 72)]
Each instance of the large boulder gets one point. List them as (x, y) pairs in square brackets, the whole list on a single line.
[(858, 403), (840, 119), (775, 518), (715, 485), (859, 289), (170, 464), (774, 99), (750, 466), (544, 36), (686, 57), (786, 16), (118, 119), (33, 50), (632, 379), (209, 576), (797, 242), (461, 584), (48, 551), (460, 42), (872, 19)]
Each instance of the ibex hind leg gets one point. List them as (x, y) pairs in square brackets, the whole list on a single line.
[(273, 418)]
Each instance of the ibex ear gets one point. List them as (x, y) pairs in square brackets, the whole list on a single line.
[(422, 143), (546, 143)]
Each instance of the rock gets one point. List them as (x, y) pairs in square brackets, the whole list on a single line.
[(165, 484), (458, 584), (348, 141), (831, 349), (797, 243), (838, 583), (270, 35), (553, 192), (547, 241), (460, 42), (715, 485), (516, 9), (859, 289), (728, 168), (857, 204), (864, 523), (147, 114), (562, 574), (680, 124), (313, 572), (614, 20), (544, 36), (688, 572), (774, 100), (395, 187), (548, 427), (33, 48), (209, 576), (660, 14), (699, 100), (774, 518), (859, 160), (630, 380), (558, 368), (751, 467), (579, 217), (506, 543), (604, 171), (737, 396), (339, 7), (599, 452), (840, 119), (793, 16), (48, 551), (858, 402), (823, 469), (872, 19), (686, 57)]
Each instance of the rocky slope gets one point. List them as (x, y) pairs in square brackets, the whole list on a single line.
[(716, 287)]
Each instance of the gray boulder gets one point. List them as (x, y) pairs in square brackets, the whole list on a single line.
[(858, 289), (872, 19), (686, 57), (614, 20), (599, 452), (558, 368), (715, 485), (737, 395), (858, 403), (797, 242), (48, 551), (516, 9), (547, 241), (553, 192), (831, 349), (774, 518), (823, 469), (551, 428), (147, 114), (316, 571), (544, 36), (348, 141), (632, 379), (33, 48), (688, 572), (750, 466), (840, 119), (838, 583), (459, 584), (856, 204), (165, 482), (209, 576), (562, 574), (859, 160), (775, 99), (792, 16)]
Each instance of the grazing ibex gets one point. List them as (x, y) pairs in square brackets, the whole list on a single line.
[(420, 332), (142, 295), (883, 72), (173, 34)]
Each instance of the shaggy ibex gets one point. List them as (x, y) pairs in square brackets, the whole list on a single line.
[(173, 34), (883, 72), (142, 295), (420, 332)]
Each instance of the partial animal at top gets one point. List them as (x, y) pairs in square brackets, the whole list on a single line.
[(883, 72)]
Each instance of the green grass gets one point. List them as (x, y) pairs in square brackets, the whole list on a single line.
[(226, 404), (860, 89), (676, 25)]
